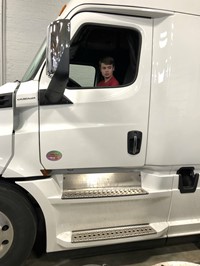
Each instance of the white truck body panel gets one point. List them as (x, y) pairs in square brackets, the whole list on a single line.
[(174, 111), (6, 128), (177, 218), (26, 161), (192, 7), (100, 213), (27, 95)]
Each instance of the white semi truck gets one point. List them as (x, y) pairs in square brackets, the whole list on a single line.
[(92, 166)]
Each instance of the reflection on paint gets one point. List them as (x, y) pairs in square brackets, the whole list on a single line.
[(163, 39)]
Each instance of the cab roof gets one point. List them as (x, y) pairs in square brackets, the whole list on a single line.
[(149, 6)]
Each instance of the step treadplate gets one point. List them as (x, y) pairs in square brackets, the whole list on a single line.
[(112, 233), (103, 192)]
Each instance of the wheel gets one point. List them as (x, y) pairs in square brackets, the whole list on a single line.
[(17, 226)]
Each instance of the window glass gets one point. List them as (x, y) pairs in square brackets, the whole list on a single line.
[(83, 75), (36, 63), (92, 42)]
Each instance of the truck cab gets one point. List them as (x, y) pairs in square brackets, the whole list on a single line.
[(93, 165)]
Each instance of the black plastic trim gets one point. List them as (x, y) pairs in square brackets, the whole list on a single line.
[(188, 180), (6, 100), (134, 142), (44, 101)]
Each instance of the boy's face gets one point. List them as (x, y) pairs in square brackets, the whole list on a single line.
[(107, 70)]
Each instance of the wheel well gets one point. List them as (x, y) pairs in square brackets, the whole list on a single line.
[(40, 241)]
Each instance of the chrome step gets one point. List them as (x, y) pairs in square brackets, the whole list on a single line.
[(111, 233), (103, 192)]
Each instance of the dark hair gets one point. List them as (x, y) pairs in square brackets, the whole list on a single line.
[(108, 60)]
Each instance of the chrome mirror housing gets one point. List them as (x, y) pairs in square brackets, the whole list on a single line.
[(58, 41)]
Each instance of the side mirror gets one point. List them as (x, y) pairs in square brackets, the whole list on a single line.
[(58, 43), (57, 60)]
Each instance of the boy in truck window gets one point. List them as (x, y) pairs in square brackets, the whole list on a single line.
[(107, 67)]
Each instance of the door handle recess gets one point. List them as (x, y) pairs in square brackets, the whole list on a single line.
[(134, 142)]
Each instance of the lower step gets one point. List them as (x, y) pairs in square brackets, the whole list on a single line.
[(111, 233), (103, 192)]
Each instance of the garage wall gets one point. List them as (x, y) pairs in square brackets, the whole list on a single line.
[(26, 24), (1, 40)]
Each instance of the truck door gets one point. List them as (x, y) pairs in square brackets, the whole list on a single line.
[(101, 127)]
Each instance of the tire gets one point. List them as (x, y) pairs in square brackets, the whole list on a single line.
[(17, 225)]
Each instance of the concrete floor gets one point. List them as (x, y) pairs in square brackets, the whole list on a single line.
[(147, 257)]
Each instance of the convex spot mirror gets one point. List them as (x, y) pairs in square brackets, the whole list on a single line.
[(58, 43)]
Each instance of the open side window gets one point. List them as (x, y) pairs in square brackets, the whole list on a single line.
[(92, 42)]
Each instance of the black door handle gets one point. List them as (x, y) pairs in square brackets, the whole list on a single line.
[(134, 142)]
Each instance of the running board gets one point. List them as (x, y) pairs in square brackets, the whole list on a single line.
[(99, 185), (103, 192), (111, 233)]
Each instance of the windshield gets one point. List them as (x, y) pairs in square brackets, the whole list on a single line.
[(36, 63)]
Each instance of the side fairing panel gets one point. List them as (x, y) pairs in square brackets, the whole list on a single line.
[(25, 161), (6, 123), (174, 111)]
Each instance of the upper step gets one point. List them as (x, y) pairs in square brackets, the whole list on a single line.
[(98, 185)]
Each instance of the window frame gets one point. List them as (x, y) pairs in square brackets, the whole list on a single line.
[(117, 28)]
